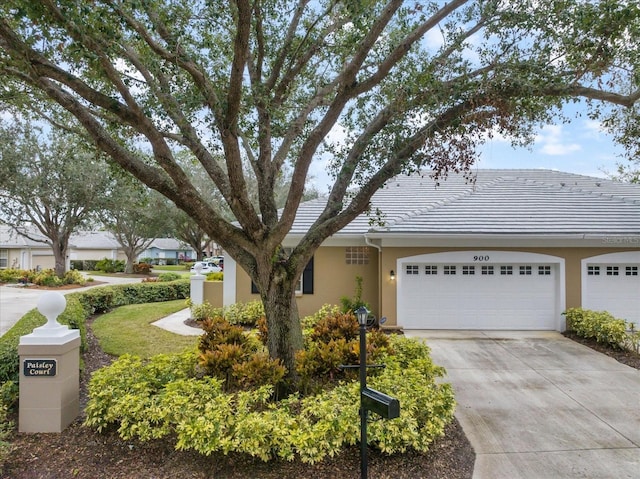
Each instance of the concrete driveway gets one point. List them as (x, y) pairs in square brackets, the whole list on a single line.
[(537, 405), (16, 301)]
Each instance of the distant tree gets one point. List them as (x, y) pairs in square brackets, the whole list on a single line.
[(135, 216), (51, 185), (379, 87), (629, 173)]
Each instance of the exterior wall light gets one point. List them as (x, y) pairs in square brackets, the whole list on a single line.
[(392, 275)]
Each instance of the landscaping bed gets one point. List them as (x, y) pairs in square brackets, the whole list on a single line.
[(80, 452)]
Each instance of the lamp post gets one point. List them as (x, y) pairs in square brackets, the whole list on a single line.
[(362, 313)]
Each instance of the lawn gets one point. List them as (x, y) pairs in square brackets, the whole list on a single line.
[(128, 329)]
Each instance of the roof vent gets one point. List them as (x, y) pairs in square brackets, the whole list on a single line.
[(562, 184), (598, 183)]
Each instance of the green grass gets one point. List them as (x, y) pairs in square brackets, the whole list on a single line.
[(178, 268), (128, 329)]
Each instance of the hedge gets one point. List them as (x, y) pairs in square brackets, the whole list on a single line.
[(601, 326)]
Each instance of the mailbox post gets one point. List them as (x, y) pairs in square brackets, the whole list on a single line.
[(370, 399)]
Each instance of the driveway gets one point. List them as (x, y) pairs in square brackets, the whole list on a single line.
[(15, 300), (536, 405)]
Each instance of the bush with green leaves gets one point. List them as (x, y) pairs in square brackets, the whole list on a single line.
[(310, 321), (74, 277), (12, 275), (169, 276), (599, 325), (47, 277), (164, 397), (142, 268), (215, 276), (8, 398), (107, 265)]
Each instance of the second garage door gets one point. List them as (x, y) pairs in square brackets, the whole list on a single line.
[(479, 290)]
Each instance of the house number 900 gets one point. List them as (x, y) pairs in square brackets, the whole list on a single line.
[(481, 258)]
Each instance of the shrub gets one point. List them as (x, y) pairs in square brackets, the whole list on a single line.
[(335, 326), (74, 277), (12, 275), (110, 265), (141, 268), (217, 276), (350, 305), (47, 277), (163, 398), (200, 312), (8, 397), (310, 321), (169, 276), (246, 314), (598, 325)]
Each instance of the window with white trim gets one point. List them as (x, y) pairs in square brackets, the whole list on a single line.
[(613, 271), (468, 270), (593, 270), (631, 271), (4, 258), (525, 270), (431, 269), (487, 270), (412, 269), (449, 269), (506, 270), (544, 270)]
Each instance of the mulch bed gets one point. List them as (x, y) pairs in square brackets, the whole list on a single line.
[(625, 357), (80, 452)]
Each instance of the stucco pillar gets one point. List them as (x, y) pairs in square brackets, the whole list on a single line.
[(197, 285), (49, 372)]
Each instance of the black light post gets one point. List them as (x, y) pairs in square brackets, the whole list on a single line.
[(362, 313)]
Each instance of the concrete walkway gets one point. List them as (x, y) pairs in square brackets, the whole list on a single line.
[(175, 323), (16, 301), (536, 405)]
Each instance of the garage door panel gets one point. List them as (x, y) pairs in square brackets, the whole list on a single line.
[(479, 301), (614, 288)]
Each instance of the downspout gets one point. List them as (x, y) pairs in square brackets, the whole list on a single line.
[(367, 240)]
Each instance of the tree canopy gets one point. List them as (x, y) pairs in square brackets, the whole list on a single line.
[(51, 186), (379, 87)]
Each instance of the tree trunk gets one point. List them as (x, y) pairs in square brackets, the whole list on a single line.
[(60, 258), (283, 322), (130, 253)]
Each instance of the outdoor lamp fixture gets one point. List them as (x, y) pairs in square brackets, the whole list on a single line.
[(392, 275)]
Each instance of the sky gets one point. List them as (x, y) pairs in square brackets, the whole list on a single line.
[(580, 146)]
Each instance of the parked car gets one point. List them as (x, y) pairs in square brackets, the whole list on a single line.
[(207, 267)]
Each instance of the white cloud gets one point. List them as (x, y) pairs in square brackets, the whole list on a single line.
[(552, 140)]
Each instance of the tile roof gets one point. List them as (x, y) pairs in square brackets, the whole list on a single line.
[(496, 202)]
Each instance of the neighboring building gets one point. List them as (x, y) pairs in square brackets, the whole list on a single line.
[(164, 250), (16, 251), (511, 250), (19, 252)]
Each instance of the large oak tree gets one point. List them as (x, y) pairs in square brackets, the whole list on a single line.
[(263, 83)]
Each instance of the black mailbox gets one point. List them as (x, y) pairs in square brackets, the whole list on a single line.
[(380, 403)]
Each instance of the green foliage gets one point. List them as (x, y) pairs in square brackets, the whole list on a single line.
[(107, 265), (599, 325), (245, 314), (74, 277), (47, 277), (8, 397), (164, 398), (169, 276), (326, 310), (217, 276), (350, 305), (11, 275), (203, 311)]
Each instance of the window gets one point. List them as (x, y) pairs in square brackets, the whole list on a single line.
[(544, 270), (506, 270), (631, 270), (525, 270), (412, 269), (487, 270), (468, 270), (356, 255), (612, 270), (430, 269), (4, 258), (593, 270), (449, 269)]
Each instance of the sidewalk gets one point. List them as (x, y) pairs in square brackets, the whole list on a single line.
[(175, 323)]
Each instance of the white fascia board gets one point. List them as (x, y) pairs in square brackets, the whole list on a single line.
[(506, 240), (357, 239)]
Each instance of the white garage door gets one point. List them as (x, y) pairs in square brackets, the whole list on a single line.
[(613, 286), (488, 293)]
